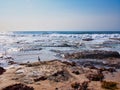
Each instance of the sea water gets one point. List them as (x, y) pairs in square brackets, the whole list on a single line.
[(48, 45)]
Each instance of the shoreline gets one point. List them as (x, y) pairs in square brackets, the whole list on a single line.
[(56, 61), (63, 75)]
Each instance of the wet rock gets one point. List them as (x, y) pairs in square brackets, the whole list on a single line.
[(89, 65), (115, 39), (110, 42), (84, 85), (11, 62), (9, 58), (42, 78), (111, 70), (76, 72), (95, 77), (32, 64), (117, 66), (2, 70), (78, 86), (100, 70), (105, 69), (75, 85), (69, 63), (60, 76), (1, 56), (88, 39), (92, 67), (56, 89), (95, 54), (109, 85), (18, 87), (56, 51), (32, 48), (65, 45)]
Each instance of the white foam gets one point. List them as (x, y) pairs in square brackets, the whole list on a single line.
[(12, 43)]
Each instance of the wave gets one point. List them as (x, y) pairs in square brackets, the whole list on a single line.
[(16, 42)]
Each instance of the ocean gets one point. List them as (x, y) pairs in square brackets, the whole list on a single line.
[(25, 46), (67, 32)]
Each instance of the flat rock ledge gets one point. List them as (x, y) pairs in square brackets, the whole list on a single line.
[(94, 54)]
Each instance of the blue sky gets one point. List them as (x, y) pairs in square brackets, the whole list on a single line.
[(59, 15)]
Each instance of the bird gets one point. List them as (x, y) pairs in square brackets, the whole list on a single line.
[(38, 58)]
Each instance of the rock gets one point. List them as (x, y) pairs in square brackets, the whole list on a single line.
[(11, 62), (108, 43), (75, 85), (60, 76), (28, 81), (69, 63), (2, 70), (78, 86), (65, 45), (89, 65), (84, 85), (94, 54), (15, 78), (9, 57), (37, 83), (42, 78), (76, 72), (92, 67), (56, 51), (19, 71), (117, 66), (115, 39), (109, 85), (109, 70), (18, 87), (35, 74), (56, 89), (32, 64), (31, 49), (88, 39), (95, 77)]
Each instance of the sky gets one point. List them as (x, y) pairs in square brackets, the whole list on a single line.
[(47, 15)]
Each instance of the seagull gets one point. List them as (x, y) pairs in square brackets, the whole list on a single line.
[(38, 58)]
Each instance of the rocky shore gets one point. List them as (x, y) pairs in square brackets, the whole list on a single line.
[(66, 75), (95, 54)]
